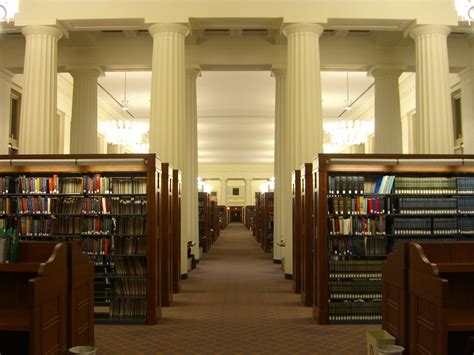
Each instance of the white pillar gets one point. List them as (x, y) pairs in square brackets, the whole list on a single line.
[(433, 98), (84, 111), (282, 168), (304, 91), (5, 98), (467, 109), (249, 197), (167, 92), (388, 122), (189, 192), (39, 97), (223, 193)]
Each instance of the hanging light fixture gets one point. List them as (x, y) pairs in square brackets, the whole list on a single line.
[(8, 9), (349, 132), (465, 9), (125, 101), (348, 102), (124, 132)]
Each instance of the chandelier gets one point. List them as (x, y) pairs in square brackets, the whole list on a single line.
[(124, 132), (8, 9), (349, 132), (465, 9)]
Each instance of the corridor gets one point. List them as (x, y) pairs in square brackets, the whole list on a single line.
[(236, 301)]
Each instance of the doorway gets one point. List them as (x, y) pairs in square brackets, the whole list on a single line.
[(235, 215)]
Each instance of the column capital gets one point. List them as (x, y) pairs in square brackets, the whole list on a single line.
[(88, 71), (429, 30), (168, 27), (386, 71), (311, 28), (193, 70), (278, 71), (42, 30)]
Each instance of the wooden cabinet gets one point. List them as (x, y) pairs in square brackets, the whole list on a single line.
[(266, 221), (176, 231), (204, 228), (296, 235)]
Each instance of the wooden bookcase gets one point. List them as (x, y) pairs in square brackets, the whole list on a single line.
[(214, 221), (296, 235), (176, 231), (249, 216), (307, 235), (106, 203), (428, 296), (386, 199), (33, 307), (222, 212), (204, 228), (256, 220), (166, 235), (266, 221)]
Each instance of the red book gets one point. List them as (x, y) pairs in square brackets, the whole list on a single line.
[(377, 205), (370, 205)]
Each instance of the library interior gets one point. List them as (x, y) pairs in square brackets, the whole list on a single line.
[(237, 177)]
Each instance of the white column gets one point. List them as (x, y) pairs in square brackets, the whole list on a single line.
[(5, 97), (84, 111), (249, 197), (467, 109), (304, 91), (190, 168), (167, 92), (39, 97), (433, 98), (388, 123), (223, 192), (282, 168)]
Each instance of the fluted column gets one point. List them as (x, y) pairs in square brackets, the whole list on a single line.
[(433, 98), (388, 122), (304, 92), (39, 97), (189, 193), (5, 97), (167, 92), (467, 109), (282, 168), (223, 193), (84, 111)]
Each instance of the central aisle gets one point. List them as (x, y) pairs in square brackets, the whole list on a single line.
[(236, 301)]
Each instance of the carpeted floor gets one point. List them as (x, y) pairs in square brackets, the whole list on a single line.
[(236, 301)]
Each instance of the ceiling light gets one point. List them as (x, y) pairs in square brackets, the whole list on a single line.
[(465, 9), (349, 132), (125, 101), (124, 132), (8, 9)]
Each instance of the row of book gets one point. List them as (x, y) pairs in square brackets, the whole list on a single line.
[(432, 226), (129, 286), (355, 289), (355, 269), (357, 225), (96, 246), (425, 185), (428, 205), (129, 245), (127, 308), (345, 205), (355, 311), (341, 185), (135, 266), (348, 248), (95, 184), (8, 246)]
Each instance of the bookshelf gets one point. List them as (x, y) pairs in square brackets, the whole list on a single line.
[(203, 203), (257, 230), (266, 221), (249, 216), (367, 205), (307, 236), (104, 203), (296, 235), (222, 213), (166, 235), (214, 222), (176, 231)]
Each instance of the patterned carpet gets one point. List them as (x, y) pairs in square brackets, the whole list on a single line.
[(235, 302)]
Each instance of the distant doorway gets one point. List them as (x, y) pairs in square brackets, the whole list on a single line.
[(235, 214)]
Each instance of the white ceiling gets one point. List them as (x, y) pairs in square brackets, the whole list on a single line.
[(236, 109)]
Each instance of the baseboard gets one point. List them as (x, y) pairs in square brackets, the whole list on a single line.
[(276, 261), (184, 276), (288, 276)]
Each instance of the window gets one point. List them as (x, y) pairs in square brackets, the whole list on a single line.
[(235, 191), (457, 116), (15, 108)]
